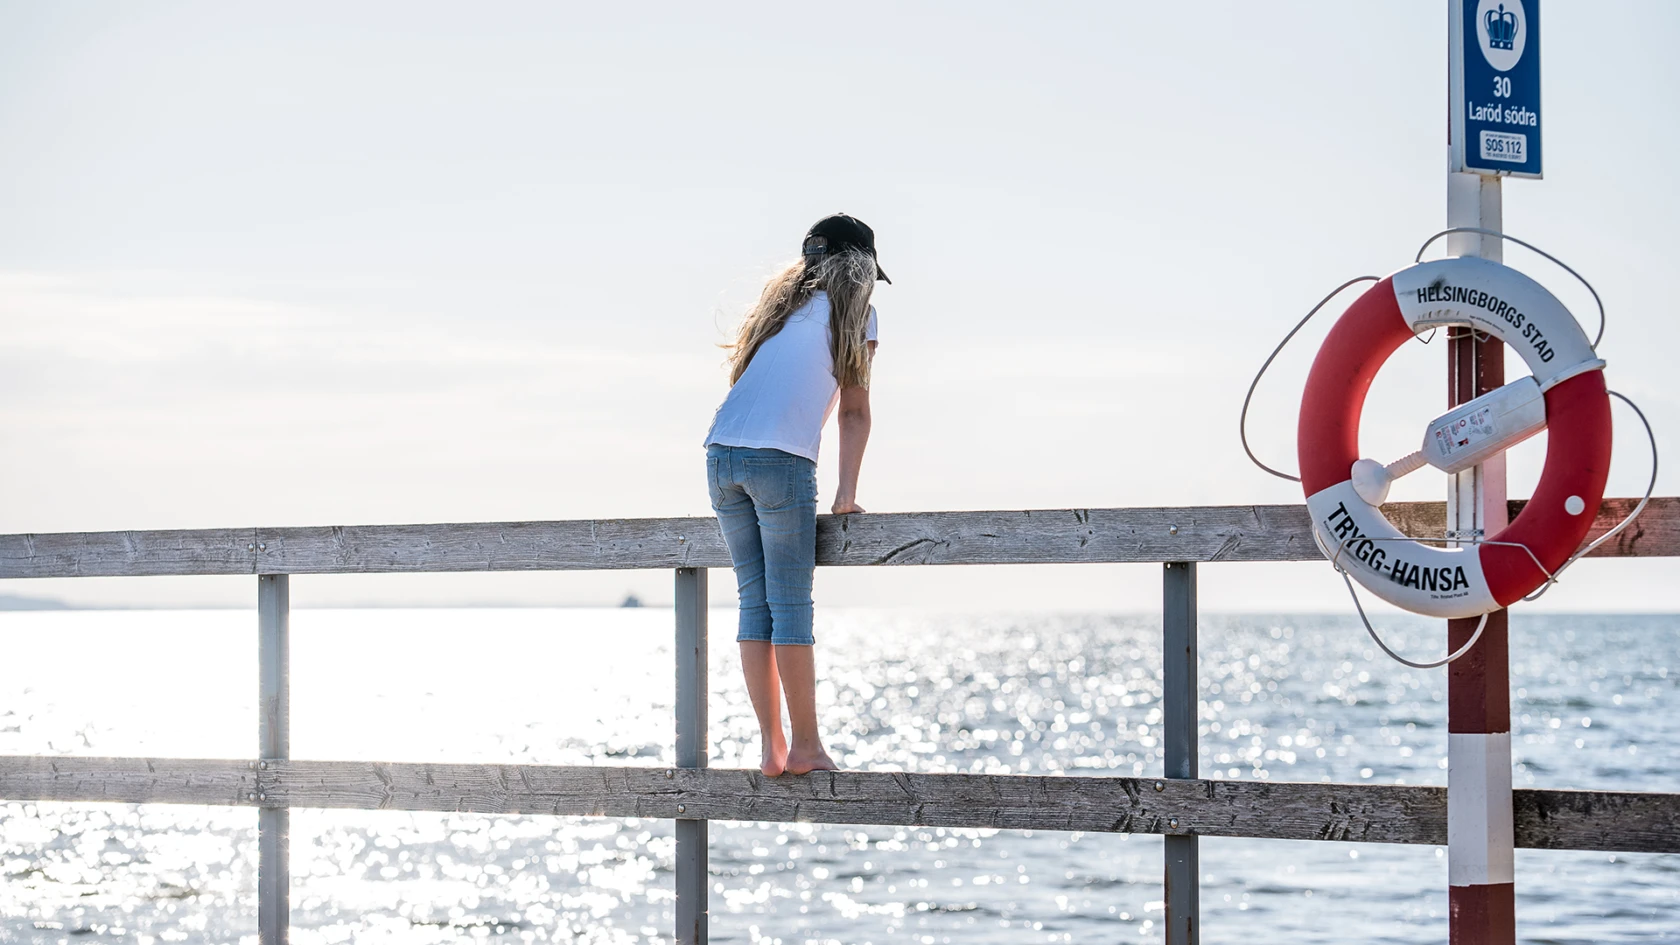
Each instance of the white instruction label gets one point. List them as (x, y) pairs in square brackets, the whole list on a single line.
[(1499, 146), (1465, 432)]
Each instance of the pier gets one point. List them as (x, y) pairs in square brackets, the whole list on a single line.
[(1178, 805)]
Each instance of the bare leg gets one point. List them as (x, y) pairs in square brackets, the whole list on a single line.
[(799, 679), (758, 662)]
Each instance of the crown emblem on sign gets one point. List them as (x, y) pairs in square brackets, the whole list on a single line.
[(1501, 28)]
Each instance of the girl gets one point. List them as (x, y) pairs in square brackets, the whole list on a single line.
[(806, 346)]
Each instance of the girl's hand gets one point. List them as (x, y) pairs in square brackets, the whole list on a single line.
[(845, 506)]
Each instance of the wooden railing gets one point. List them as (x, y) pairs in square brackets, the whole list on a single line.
[(1053, 536), (1179, 805)]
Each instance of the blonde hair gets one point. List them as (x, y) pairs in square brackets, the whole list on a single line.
[(848, 277)]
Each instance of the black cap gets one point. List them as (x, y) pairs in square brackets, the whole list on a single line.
[(840, 232)]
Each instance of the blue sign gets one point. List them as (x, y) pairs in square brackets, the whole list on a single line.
[(1497, 126)]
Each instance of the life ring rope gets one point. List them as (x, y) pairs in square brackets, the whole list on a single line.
[(1551, 576), (1480, 298), (1377, 638), (1583, 434), (1530, 246), (1626, 520), (1242, 422), (1343, 498)]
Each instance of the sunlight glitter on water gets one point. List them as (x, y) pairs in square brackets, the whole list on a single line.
[(1300, 699)]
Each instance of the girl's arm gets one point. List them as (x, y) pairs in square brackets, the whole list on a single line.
[(854, 436)]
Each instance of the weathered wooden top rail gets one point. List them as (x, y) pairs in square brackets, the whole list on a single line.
[(1055, 536), (1371, 813)]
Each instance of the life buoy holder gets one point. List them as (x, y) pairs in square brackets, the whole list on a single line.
[(1487, 574)]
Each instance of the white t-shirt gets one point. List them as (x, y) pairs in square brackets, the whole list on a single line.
[(788, 389)]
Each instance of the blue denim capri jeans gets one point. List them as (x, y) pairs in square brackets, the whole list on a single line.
[(766, 504)]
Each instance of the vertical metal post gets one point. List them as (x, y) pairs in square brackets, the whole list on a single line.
[(1481, 891), (1179, 701), (1481, 896), (273, 743), (693, 876)]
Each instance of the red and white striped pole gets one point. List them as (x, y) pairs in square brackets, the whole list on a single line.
[(1481, 893)]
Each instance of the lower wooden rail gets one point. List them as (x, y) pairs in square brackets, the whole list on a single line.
[(1276, 810)]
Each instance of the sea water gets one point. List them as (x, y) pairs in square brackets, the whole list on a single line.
[(1595, 704)]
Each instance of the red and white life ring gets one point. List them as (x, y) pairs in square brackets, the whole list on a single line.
[(1475, 579)]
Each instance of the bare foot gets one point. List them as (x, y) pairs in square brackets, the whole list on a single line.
[(775, 753), (805, 762)]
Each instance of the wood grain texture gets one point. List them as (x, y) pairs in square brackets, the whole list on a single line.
[(126, 780), (1623, 821), (1555, 820), (1067, 536), (126, 554), (1053, 536), (1125, 805), (1654, 534), (606, 544)]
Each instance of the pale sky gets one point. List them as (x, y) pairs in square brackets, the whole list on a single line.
[(337, 264)]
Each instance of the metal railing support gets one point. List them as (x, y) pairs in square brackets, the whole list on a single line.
[(693, 875), (1178, 710), (273, 743)]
